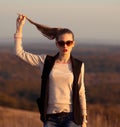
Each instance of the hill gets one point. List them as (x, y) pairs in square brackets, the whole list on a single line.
[(20, 82)]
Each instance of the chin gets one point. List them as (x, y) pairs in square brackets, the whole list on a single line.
[(65, 53)]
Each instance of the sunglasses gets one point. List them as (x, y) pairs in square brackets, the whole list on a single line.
[(62, 43)]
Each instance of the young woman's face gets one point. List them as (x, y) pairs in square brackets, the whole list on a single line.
[(65, 43)]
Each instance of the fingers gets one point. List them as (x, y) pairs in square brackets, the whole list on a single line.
[(21, 17), (20, 22)]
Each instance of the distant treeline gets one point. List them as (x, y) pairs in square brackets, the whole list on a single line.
[(20, 82)]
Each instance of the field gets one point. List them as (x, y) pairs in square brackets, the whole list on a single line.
[(18, 118), (20, 85), (98, 116)]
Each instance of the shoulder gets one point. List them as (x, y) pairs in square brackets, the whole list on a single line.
[(78, 63), (78, 60), (50, 57)]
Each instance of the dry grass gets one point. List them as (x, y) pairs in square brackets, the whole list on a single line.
[(104, 115), (98, 116), (18, 118)]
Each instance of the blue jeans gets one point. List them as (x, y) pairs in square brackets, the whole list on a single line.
[(60, 120)]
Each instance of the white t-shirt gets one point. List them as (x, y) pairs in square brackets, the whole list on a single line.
[(60, 88)]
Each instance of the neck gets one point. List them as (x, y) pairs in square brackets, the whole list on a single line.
[(64, 58)]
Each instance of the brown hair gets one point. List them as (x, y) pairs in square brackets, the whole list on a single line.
[(63, 31), (49, 32)]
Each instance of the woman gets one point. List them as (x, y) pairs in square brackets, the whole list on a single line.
[(62, 102)]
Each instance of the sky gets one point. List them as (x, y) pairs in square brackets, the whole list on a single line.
[(88, 19)]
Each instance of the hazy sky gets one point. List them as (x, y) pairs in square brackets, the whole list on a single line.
[(88, 19)]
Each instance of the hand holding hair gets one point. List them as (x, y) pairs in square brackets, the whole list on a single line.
[(49, 32), (20, 23)]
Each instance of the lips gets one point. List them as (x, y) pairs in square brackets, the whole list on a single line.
[(65, 50)]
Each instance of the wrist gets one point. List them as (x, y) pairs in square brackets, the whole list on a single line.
[(18, 35), (85, 119), (19, 31)]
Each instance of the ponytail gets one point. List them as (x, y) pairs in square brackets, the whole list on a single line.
[(48, 32)]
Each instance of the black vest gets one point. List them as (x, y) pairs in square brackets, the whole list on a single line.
[(43, 100)]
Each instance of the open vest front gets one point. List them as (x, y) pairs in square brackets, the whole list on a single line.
[(42, 101)]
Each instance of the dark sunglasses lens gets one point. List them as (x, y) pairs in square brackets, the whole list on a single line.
[(69, 43), (61, 43)]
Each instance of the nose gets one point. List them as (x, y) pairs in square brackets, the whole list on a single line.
[(65, 45)]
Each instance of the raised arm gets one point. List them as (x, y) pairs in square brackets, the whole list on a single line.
[(33, 59)]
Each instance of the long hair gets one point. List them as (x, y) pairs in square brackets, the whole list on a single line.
[(49, 32)]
